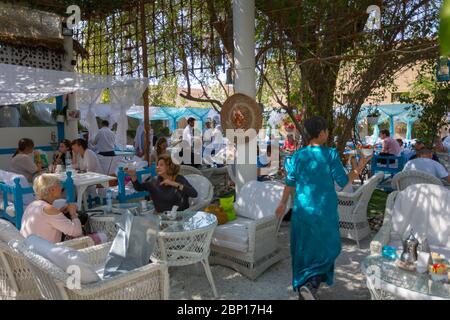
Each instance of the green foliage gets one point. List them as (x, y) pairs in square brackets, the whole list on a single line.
[(444, 28), (434, 98), (377, 203)]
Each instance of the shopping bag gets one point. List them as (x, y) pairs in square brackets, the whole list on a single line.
[(133, 244)]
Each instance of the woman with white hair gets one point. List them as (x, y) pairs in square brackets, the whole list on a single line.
[(43, 219)]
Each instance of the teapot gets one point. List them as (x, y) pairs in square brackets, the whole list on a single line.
[(410, 245)]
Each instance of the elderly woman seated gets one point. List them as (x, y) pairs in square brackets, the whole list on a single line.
[(168, 188), (43, 219)]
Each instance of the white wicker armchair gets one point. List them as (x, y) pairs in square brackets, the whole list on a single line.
[(150, 282), (250, 246), (204, 189), (352, 209), (185, 170), (404, 179), (16, 278), (421, 207)]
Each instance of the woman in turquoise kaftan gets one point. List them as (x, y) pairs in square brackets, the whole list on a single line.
[(315, 239)]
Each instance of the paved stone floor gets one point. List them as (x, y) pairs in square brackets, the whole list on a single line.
[(190, 282)]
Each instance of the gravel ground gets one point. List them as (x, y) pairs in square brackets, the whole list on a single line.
[(190, 282)]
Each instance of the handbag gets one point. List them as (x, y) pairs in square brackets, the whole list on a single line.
[(133, 245)]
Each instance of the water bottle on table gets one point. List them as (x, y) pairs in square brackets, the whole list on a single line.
[(68, 162), (109, 200)]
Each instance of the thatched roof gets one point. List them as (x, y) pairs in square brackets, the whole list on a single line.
[(89, 8), (24, 26)]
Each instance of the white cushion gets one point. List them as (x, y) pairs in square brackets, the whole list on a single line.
[(426, 209), (258, 200), (10, 211), (8, 178), (63, 257), (233, 234), (203, 187), (9, 232)]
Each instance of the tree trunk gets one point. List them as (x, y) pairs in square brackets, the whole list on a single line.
[(318, 90)]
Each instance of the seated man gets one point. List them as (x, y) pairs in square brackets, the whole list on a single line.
[(390, 146), (419, 145), (425, 163)]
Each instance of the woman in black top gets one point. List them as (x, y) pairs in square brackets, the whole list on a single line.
[(60, 156), (167, 189)]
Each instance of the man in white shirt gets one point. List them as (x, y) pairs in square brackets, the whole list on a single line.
[(188, 132), (188, 136), (85, 159), (105, 140), (425, 163), (208, 133)]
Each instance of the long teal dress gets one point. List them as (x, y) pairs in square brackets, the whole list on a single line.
[(315, 239)]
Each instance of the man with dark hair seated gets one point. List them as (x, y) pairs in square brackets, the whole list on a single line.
[(390, 146), (105, 140), (419, 145), (424, 162)]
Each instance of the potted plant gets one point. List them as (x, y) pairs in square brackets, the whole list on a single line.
[(60, 115), (372, 116)]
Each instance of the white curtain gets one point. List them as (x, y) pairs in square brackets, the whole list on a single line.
[(88, 98), (19, 84), (122, 99)]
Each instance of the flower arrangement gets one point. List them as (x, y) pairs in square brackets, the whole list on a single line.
[(438, 272), (288, 124), (365, 150)]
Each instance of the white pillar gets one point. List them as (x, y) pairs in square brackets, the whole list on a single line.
[(71, 127), (245, 76)]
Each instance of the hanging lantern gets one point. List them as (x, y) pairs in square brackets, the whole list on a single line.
[(443, 69)]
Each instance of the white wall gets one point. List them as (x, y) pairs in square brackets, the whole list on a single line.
[(9, 138)]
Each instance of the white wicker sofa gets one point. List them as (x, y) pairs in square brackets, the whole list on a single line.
[(149, 282), (249, 244), (16, 278), (352, 209)]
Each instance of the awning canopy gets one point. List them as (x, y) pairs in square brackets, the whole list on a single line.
[(173, 114), (19, 84)]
